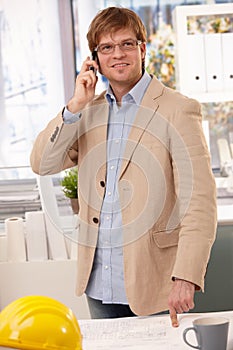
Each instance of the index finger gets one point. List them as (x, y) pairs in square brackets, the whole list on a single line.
[(173, 317), (88, 63)]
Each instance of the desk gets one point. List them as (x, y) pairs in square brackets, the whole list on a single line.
[(143, 333)]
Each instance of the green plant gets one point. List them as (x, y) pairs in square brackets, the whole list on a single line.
[(70, 183)]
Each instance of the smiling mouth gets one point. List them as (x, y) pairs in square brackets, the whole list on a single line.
[(119, 65)]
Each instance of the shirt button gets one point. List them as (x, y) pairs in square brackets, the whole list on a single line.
[(102, 183), (109, 193), (117, 141), (95, 220), (106, 267), (112, 167)]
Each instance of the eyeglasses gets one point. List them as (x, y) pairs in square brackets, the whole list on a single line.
[(125, 45)]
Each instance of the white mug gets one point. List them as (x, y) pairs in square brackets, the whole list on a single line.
[(211, 333)]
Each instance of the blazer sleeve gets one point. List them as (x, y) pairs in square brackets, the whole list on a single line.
[(55, 148), (196, 193)]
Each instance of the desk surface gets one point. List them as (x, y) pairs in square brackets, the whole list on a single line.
[(143, 333)]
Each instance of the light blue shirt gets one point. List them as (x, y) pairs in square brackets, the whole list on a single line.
[(106, 282)]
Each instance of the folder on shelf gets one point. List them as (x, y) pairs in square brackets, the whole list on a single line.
[(227, 57), (213, 60), (196, 79)]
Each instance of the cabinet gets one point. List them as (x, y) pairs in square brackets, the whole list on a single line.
[(204, 53), (55, 279)]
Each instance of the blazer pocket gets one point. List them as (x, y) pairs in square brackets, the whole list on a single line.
[(166, 238)]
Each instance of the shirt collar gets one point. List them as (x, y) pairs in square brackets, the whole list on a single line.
[(136, 94)]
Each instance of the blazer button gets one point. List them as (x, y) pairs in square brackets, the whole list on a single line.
[(95, 220), (102, 183)]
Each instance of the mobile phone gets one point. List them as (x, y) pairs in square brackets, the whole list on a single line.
[(95, 58)]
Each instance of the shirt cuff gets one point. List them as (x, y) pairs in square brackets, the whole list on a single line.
[(70, 118)]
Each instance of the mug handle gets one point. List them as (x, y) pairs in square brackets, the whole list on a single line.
[(185, 339)]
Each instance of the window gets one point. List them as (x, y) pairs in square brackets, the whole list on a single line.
[(31, 84), (34, 85)]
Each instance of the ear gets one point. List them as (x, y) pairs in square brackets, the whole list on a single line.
[(143, 50)]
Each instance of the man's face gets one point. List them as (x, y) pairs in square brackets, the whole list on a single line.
[(121, 67)]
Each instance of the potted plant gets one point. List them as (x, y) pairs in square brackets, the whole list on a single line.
[(69, 185)]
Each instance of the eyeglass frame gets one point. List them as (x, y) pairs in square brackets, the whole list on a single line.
[(137, 42)]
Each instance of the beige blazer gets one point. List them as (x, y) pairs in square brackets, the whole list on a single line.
[(166, 188)]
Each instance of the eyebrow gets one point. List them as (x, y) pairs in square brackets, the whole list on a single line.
[(109, 42)]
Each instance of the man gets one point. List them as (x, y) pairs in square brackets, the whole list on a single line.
[(146, 189)]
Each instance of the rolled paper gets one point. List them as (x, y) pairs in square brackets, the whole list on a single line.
[(15, 239), (36, 238)]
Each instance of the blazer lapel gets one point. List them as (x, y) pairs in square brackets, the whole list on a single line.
[(146, 112)]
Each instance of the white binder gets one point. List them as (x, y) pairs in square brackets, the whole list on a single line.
[(213, 58), (195, 63), (227, 56)]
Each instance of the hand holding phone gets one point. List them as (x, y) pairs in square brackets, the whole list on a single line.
[(85, 86), (94, 58), (93, 69)]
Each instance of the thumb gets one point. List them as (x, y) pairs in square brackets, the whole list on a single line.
[(173, 317)]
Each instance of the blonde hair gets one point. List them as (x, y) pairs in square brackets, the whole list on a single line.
[(112, 19)]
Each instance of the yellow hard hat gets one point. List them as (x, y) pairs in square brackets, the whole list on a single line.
[(38, 323)]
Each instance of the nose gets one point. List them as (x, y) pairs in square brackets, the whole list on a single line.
[(118, 52)]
